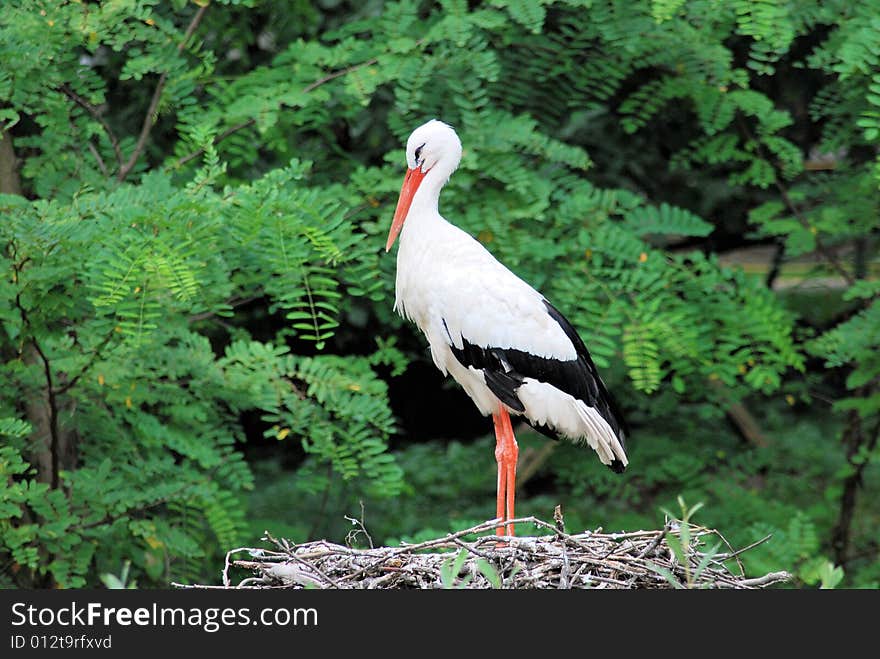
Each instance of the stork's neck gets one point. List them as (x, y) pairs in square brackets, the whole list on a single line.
[(425, 203)]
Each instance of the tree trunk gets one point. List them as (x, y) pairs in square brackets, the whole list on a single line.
[(856, 440), (9, 181), (52, 448)]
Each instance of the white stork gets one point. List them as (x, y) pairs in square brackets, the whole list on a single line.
[(502, 341)]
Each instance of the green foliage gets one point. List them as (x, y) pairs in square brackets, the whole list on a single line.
[(192, 240), (823, 572), (451, 569), (112, 582), (797, 546), (681, 545), (138, 269), (114, 296), (856, 343)]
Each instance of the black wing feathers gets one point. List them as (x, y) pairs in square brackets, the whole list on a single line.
[(501, 380), (602, 399), (504, 385), (505, 369)]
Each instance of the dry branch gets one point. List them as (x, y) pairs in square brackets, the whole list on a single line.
[(638, 559)]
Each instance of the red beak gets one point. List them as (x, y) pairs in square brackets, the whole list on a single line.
[(411, 183)]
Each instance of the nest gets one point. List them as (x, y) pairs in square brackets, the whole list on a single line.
[(664, 558)]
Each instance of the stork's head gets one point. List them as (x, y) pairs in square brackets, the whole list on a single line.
[(433, 151)]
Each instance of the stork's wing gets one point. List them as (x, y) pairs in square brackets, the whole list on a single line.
[(505, 369)]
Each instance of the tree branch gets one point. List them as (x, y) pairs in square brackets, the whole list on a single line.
[(88, 365), (101, 165), (337, 74), (97, 115), (821, 247), (250, 122), (740, 416), (150, 117), (237, 302)]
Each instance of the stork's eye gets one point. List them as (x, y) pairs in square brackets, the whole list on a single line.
[(419, 152)]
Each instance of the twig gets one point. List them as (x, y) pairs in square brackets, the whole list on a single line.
[(98, 158), (352, 535), (732, 553), (226, 563), (282, 544), (194, 586), (472, 549), (98, 116), (773, 577), (149, 118), (656, 541), (565, 572), (558, 519)]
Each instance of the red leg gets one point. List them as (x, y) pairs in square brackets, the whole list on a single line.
[(506, 455), (502, 470), (511, 452)]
